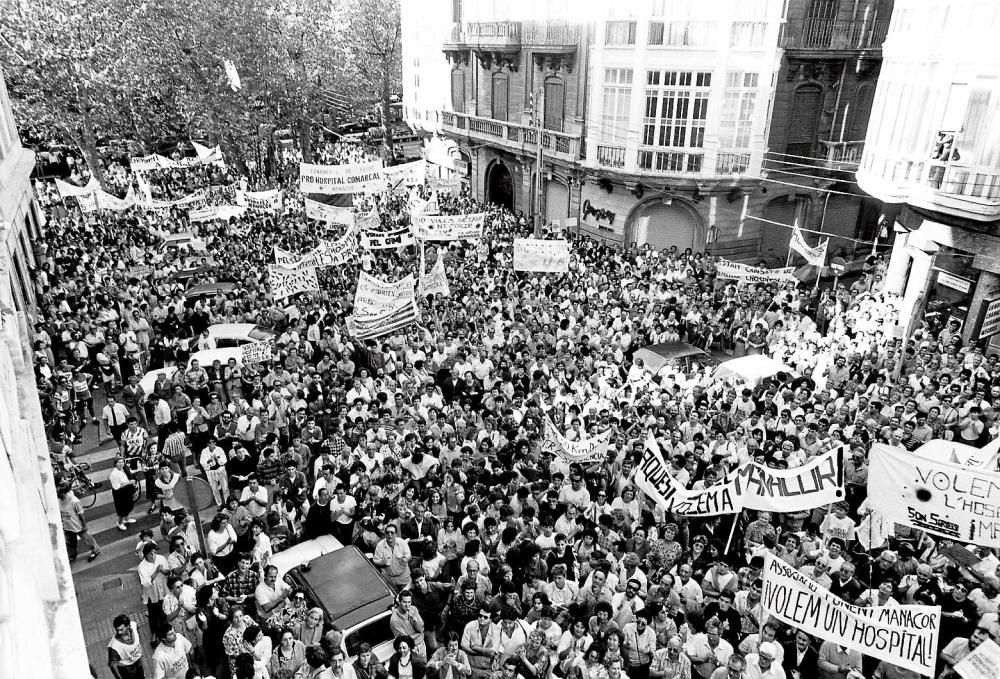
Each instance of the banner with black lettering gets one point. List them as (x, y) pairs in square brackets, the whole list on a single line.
[(386, 323), (330, 214), (67, 190), (447, 227), (257, 352), (289, 260), (381, 307), (336, 252), (750, 486), (905, 636), (814, 255), (943, 498), (548, 256), (334, 179), (752, 274), (287, 282), (385, 240), (407, 174), (263, 201), (588, 450)]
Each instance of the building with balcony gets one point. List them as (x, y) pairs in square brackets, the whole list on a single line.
[(517, 89), (933, 146), (40, 632), (830, 64), (678, 119)]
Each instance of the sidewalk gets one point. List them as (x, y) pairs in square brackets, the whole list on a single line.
[(98, 607)]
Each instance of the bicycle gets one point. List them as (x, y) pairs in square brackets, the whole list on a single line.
[(81, 485)]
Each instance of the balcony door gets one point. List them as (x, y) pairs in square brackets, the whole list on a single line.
[(803, 121), (458, 91), (554, 104), (499, 98)]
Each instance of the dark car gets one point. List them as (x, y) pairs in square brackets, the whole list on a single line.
[(352, 594), (655, 356)]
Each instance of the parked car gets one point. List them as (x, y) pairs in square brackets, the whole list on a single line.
[(203, 291), (352, 594), (237, 334)]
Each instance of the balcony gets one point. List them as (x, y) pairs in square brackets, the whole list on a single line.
[(611, 156), (511, 136), (833, 37), (732, 162), (840, 153)]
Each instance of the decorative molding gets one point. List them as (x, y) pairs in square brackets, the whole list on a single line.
[(555, 62), (490, 59), (457, 57)]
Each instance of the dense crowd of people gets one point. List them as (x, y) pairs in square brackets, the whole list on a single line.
[(423, 448)]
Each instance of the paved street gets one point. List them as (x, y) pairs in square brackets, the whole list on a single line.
[(109, 585)]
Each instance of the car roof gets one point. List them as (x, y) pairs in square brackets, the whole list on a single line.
[(206, 357), (304, 552), (247, 331), (346, 585), (210, 288), (672, 350)]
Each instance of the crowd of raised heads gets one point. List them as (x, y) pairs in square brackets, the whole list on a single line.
[(424, 448)]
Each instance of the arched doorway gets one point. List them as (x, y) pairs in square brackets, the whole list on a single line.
[(662, 225), (500, 186)]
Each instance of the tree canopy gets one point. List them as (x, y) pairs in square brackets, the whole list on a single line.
[(143, 70)]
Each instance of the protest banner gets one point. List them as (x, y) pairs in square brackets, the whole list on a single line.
[(334, 179), (905, 636), (144, 163), (952, 451), (753, 274), (434, 282), (191, 199), (531, 254), (107, 201), (210, 212), (208, 156), (287, 282), (452, 187), (942, 498), (750, 486), (385, 323), (384, 240), (588, 450), (257, 352), (138, 272), (450, 227), (263, 201), (407, 174), (290, 260), (374, 296), (815, 256), (330, 214), (67, 190), (982, 663), (340, 251)]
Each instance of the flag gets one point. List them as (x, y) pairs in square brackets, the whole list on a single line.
[(815, 256)]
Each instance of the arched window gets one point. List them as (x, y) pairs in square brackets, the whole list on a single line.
[(499, 99), (803, 121), (861, 109)]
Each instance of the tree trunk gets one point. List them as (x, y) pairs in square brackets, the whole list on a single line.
[(386, 110), (305, 139), (233, 154), (88, 140)]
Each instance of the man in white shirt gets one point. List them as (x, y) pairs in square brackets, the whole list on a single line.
[(213, 461), (170, 659), (254, 497), (114, 416)]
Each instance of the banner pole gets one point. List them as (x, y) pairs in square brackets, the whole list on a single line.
[(732, 531)]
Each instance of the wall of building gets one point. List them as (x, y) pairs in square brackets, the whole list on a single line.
[(40, 633), (426, 84)]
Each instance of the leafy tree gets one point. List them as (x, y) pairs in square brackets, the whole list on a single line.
[(370, 37)]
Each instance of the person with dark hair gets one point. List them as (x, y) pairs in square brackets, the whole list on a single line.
[(171, 659), (481, 642), (315, 664), (260, 647), (449, 661), (405, 663), (125, 650), (367, 666)]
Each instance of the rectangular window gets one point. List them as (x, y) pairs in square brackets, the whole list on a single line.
[(615, 109), (747, 34), (736, 123), (655, 33), (687, 33), (674, 117), (619, 33)]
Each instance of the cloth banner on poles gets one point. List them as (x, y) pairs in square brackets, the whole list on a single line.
[(815, 256), (753, 274), (588, 450), (144, 163), (531, 254), (257, 352), (905, 636), (288, 282), (331, 214), (67, 190), (407, 174), (434, 282), (750, 486), (942, 498), (198, 196), (386, 323), (207, 156), (450, 227), (107, 201), (263, 201), (334, 179), (374, 296), (210, 212), (385, 240)]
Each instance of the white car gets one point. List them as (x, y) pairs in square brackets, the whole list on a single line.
[(207, 357), (148, 380), (238, 334)]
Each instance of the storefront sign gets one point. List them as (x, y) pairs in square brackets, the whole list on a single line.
[(950, 280)]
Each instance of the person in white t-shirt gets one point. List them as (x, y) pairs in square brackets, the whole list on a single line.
[(254, 497), (170, 659)]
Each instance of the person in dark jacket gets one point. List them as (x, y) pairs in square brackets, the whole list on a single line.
[(801, 657), (404, 662)]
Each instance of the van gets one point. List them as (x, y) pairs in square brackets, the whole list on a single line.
[(237, 334)]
